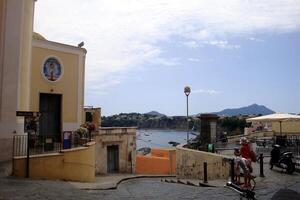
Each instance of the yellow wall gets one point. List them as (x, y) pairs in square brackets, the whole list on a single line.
[(287, 127), (73, 165), (27, 27), (67, 85), (2, 14)]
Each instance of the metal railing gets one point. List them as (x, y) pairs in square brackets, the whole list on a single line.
[(37, 144), (45, 144), (287, 143)]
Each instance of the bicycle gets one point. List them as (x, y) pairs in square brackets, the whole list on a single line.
[(247, 193), (252, 181)]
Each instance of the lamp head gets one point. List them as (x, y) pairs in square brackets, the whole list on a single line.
[(187, 90)]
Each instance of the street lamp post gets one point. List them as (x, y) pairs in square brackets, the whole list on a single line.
[(187, 91)]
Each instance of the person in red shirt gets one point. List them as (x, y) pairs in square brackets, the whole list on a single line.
[(245, 149), (245, 152)]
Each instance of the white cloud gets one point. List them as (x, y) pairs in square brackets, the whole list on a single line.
[(122, 35), (103, 85), (207, 92), (222, 44), (193, 59), (256, 39), (191, 44)]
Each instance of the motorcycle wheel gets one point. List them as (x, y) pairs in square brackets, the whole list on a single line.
[(271, 164), (290, 168)]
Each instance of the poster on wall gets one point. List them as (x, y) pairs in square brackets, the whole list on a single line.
[(30, 124)]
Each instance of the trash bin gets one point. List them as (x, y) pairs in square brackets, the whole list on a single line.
[(67, 140), (211, 148)]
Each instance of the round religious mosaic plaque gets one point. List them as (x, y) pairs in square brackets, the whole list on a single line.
[(52, 69)]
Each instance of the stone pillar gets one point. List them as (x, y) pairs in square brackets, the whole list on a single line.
[(208, 128), (213, 131)]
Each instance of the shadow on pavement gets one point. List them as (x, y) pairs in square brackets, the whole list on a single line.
[(284, 194)]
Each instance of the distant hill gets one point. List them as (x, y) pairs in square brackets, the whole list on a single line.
[(155, 113), (147, 121), (253, 109)]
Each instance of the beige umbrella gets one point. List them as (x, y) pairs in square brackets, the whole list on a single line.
[(276, 117)]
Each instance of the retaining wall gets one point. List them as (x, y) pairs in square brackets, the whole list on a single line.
[(190, 164), (77, 164)]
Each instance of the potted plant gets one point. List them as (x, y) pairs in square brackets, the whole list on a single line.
[(90, 127), (82, 133)]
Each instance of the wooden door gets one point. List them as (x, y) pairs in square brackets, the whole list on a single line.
[(113, 159), (50, 120)]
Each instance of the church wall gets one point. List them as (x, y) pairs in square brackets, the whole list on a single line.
[(2, 30), (16, 28), (69, 85), (27, 27)]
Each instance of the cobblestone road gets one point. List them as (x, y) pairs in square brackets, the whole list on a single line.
[(11, 188), (146, 189)]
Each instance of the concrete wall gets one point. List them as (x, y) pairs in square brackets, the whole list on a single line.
[(76, 164), (161, 161), (261, 134), (125, 138), (190, 164)]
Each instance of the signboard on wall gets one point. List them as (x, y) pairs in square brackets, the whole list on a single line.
[(30, 120), (27, 114)]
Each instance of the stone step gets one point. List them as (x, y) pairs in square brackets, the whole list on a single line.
[(194, 182)]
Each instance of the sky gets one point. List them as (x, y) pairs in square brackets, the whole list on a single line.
[(141, 54)]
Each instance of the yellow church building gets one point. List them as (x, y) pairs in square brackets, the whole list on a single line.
[(57, 85), (36, 75)]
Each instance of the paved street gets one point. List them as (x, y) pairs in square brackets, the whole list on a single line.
[(132, 189), (145, 188)]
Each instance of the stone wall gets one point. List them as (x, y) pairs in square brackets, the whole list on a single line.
[(190, 164), (125, 138)]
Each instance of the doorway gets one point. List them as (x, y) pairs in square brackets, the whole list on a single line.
[(113, 159), (50, 120)]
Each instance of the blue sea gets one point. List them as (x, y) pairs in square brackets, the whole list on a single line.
[(160, 138)]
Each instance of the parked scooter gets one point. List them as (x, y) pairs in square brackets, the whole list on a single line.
[(283, 160)]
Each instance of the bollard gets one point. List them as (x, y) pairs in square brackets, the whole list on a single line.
[(232, 170), (205, 172), (261, 165)]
